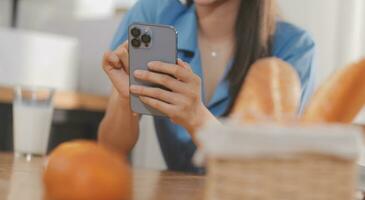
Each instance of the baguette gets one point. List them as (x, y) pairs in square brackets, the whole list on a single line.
[(271, 91), (340, 98)]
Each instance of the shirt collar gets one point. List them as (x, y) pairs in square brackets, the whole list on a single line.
[(186, 27), (221, 93)]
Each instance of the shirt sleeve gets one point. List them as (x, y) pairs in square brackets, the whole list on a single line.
[(143, 11), (299, 50)]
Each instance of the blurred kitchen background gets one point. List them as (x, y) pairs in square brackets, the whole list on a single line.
[(59, 43)]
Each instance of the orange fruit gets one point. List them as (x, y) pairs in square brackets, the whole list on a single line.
[(85, 170)]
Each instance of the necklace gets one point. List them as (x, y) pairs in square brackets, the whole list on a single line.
[(218, 52), (214, 54), (215, 51)]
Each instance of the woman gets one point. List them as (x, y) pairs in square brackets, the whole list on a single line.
[(218, 41)]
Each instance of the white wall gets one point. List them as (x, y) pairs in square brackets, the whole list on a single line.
[(335, 26), (94, 36), (363, 30), (338, 28), (92, 22), (323, 27), (4, 12), (38, 59), (125, 3)]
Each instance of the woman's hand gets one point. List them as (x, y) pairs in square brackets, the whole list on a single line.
[(182, 104), (119, 128), (116, 66)]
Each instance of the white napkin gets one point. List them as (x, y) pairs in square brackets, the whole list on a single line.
[(230, 140)]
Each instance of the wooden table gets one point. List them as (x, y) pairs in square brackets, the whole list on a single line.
[(20, 179)]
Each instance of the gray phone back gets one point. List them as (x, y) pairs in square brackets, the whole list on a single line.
[(162, 47)]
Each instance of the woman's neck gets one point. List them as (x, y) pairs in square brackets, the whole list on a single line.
[(217, 20)]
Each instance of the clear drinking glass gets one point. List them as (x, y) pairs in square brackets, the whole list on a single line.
[(32, 119)]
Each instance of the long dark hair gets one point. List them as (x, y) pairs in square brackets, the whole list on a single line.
[(254, 29)]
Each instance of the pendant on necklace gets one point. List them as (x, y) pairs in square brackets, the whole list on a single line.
[(213, 54)]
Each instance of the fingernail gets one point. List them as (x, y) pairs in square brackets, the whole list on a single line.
[(114, 58), (151, 64), (134, 88), (138, 73)]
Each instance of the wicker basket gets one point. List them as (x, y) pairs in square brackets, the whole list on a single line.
[(307, 173)]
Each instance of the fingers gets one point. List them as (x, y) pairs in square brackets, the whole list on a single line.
[(117, 59), (158, 105), (114, 64), (160, 79), (111, 61), (122, 53), (156, 93), (181, 71)]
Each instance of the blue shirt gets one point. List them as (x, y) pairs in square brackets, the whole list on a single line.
[(291, 44)]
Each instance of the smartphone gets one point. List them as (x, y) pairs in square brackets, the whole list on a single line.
[(149, 42)]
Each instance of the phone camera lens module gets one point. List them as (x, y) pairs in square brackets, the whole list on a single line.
[(136, 43), (146, 38), (136, 32)]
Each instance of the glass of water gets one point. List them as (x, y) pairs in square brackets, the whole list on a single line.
[(32, 119)]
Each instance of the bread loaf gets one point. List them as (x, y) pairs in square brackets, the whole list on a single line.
[(271, 91), (340, 98)]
